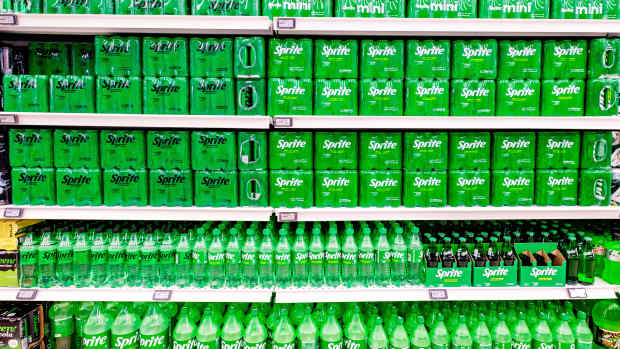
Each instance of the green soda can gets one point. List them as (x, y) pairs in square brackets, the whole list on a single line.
[(565, 59), (518, 97), (425, 151), (335, 97), (513, 150), (214, 150), (442, 9), (78, 7), (78, 186), (33, 186), (383, 59), (82, 58), (165, 95), (563, 97), (225, 7), (72, 94), (596, 147), (251, 97), (556, 187), (472, 97), (336, 59), (30, 147), (381, 150), (425, 189), (557, 150), (290, 150), (469, 150), (380, 188), (428, 59), (124, 149), (291, 188), (212, 96), (253, 149), (595, 187), (474, 59), (381, 97), (469, 188), (290, 58), (602, 97), (603, 57), (125, 187), (512, 188), (514, 9), (47, 58), (76, 148), (118, 56), (290, 96), (171, 187), (427, 97), (119, 95), (249, 57), (520, 59), (25, 93), (216, 188), (211, 57), (168, 149), (335, 151), (336, 188), (254, 188), (164, 56)]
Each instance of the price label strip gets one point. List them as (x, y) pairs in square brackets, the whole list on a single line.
[(286, 23), (438, 294), (26, 294), (13, 212), (577, 292), (8, 119), (287, 217), (162, 295), (280, 122), (8, 19)]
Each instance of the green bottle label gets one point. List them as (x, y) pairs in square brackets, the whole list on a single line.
[(542, 345), (439, 346), (125, 341), (99, 257), (65, 256), (354, 344), (366, 257), (384, 257), (349, 258), (301, 258), (316, 257), (504, 346), (564, 346), (149, 258), (331, 345), (166, 256), (216, 259), (233, 257), (454, 346), (187, 344), (208, 345), (116, 257), (261, 345), (28, 257), (332, 257), (265, 258), (283, 259), (584, 345), (157, 341), (99, 341), (47, 256), (248, 258), (132, 257), (521, 345), (183, 257), (277, 345)]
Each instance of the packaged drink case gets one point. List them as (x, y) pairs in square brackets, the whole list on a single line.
[(122, 149), (168, 149), (214, 150), (254, 188), (369, 8), (563, 97), (512, 187), (297, 8), (427, 188), (336, 59), (119, 95), (76, 148), (291, 188), (212, 96), (31, 148), (469, 188), (380, 188), (118, 56), (211, 57), (290, 150), (556, 187), (442, 9), (425, 151), (602, 97), (165, 95), (72, 94), (171, 187), (290, 96), (603, 57), (251, 97), (125, 187), (78, 186), (249, 57), (164, 56), (427, 97), (14, 60), (596, 147), (33, 186), (595, 187), (335, 150), (381, 97), (23, 6), (565, 59), (581, 9), (290, 58), (518, 97), (520, 59), (428, 59), (514, 150), (252, 148), (469, 150), (216, 188), (383, 59), (336, 188), (47, 58), (514, 9), (150, 7), (78, 7), (381, 150), (82, 58), (474, 59), (225, 7), (472, 97), (25, 93), (558, 150), (335, 97)]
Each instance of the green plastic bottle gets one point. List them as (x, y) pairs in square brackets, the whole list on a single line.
[(232, 331), (564, 337), (307, 334), (208, 332), (255, 334), (522, 337), (501, 333), (583, 335), (355, 331), (440, 338), (378, 338), (399, 338), (462, 338), (420, 338), (482, 336), (543, 339), (185, 331), (125, 329), (331, 333), (154, 330), (284, 334)]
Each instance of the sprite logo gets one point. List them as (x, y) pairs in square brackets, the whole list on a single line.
[(570, 51), (211, 86), (341, 50), (429, 91), (432, 143), (429, 51), (23, 84), (32, 179), (95, 341), (124, 179), (208, 140), (375, 183), (152, 341), (387, 91), (524, 92), (464, 182), (33, 138), (74, 139), (190, 344), (164, 46), (341, 144), (552, 182), (481, 51), (293, 182), (520, 345), (339, 182), (166, 141), (442, 274), (66, 84), (212, 182), (233, 345), (426, 182), (328, 92), (495, 272), (479, 92), (477, 144), (599, 190), (381, 52), (79, 180), (115, 83), (115, 46), (387, 145), (165, 89), (223, 6), (334, 345), (47, 52), (527, 51), (297, 143), (281, 91), (294, 50), (568, 90), (283, 346), (537, 272), (515, 182), (122, 342), (170, 180), (518, 144), (563, 144), (124, 139), (210, 47)]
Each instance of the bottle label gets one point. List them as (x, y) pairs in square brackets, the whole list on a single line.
[(187, 344), (97, 341), (283, 258), (316, 257), (565, 346), (28, 257), (208, 345), (605, 338), (584, 345), (116, 257), (65, 256), (166, 256), (332, 257), (125, 341), (233, 257), (159, 341), (99, 257), (307, 344), (366, 257), (248, 258), (261, 345), (503, 345), (216, 258), (542, 345), (277, 345), (300, 257), (81, 257), (397, 257), (132, 257), (148, 258), (265, 258), (613, 255), (455, 346), (238, 344), (384, 257), (331, 345), (199, 257), (521, 345), (349, 258), (439, 346), (354, 344)]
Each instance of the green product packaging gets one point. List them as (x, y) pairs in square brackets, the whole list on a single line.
[(290, 96), (165, 95), (563, 97), (336, 59), (72, 94), (520, 59), (33, 186), (448, 277), (214, 150), (78, 187), (290, 58), (253, 149), (171, 187), (216, 188), (290, 150), (336, 188), (125, 187), (297, 8), (495, 276), (553, 274), (474, 59), (382, 59), (472, 97), (556, 187), (382, 188), (603, 57), (164, 56), (518, 98), (168, 149), (512, 188), (585, 9), (25, 93), (253, 188), (82, 58), (596, 147), (76, 148), (31, 147), (151, 7), (225, 7), (595, 187), (469, 150), (427, 97), (381, 150), (212, 96), (47, 58), (425, 189), (602, 97), (426, 151), (514, 9), (251, 98), (558, 150), (118, 56), (442, 9), (125, 149), (78, 7), (249, 57), (291, 188), (564, 59), (211, 57), (119, 95), (23, 6), (514, 150), (335, 150), (469, 188), (369, 8), (428, 59), (335, 97), (381, 97)]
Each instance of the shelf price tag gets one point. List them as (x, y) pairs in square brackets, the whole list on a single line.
[(438, 294), (286, 23), (280, 122), (287, 217), (13, 212), (8, 119), (8, 19), (577, 292), (162, 295), (26, 294)]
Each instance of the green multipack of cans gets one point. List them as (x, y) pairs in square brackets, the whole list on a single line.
[(254, 188), (249, 57), (297, 8), (253, 148), (563, 97), (585, 9), (381, 97), (212, 96), (72, 94), (23, 6), (118, 56), (168, 149), (520, 59), (214, 150), (47, 58), (164, 56), (469, 188), (565, 59), (290, 150), (596, 148), (512, 188), (211, 57), (76, 148), (33, 186), (225, 7), (336, 59), (369, 8), (25, 93), (151, 7), (291, 188), (442, 9), (119, 95), (125, 149), (595, 187), (556, 187), (79, 7), (381, 150), (165, 95), (514, 9), (82, 58), (171, 187), (29, 147), (425, 188), (290, 58), (518, 97), (427, 97), (380, 188), (250, 96), (125, 187), (474, 59), (513, 150), (335, 150), (79, 186), (290, 96), (425, 151), (603, 57), (216, 188), (382, 59), (469, 150), (602, 97), (336, 188), (335, 97), (472, 97), (557, 150), (428, 59)]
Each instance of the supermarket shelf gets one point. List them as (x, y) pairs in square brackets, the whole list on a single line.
[(445, 27), (446, 213), (135, 120), (146, 213), (115, 24), (445, 122)]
